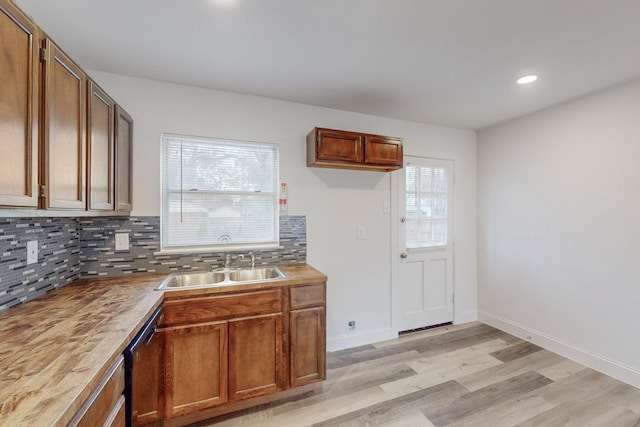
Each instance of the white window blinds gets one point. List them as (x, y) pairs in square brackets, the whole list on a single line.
[(218, 194)]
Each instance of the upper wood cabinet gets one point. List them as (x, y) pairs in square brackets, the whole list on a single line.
[(64, 131), (63, 144), (124, 165), (18, 108), (330, 148), (100, 149)]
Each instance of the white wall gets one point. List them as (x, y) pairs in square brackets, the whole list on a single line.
[(334, 201), (559, 229)]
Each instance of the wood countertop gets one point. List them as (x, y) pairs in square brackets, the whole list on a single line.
[(55, 349)]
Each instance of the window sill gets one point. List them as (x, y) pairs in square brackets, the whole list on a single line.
[(216, 250)]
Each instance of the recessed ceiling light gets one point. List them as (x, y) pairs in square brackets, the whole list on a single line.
[(527, 79)]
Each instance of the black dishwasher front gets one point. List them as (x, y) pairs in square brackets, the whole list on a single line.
[(141, 339)]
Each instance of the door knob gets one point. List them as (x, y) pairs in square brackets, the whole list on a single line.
[(403, 255)]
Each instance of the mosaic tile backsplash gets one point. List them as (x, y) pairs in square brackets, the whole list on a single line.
[(71, 248)]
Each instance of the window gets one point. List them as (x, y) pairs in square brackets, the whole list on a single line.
[(218, 194), (426, 209)]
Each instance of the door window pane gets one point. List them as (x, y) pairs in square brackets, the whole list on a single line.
[(426, 206)]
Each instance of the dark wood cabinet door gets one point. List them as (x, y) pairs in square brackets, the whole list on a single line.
[(338, 146), (100, 149), (308, 353), (383, 151), (195, 368), (255, 356), (64, 133), (147, 382), (124, 155), (19, 52)]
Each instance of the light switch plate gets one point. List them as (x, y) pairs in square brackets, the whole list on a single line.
[(32, 252), (122, 241), (360, 232)]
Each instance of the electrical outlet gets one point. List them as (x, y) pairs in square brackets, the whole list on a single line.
[(122, 241), (360, 232), (32, 252), (351, 325)]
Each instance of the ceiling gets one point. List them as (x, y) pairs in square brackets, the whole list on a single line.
[(445, 62)]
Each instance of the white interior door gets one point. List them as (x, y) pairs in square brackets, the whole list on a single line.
[(425, 269)]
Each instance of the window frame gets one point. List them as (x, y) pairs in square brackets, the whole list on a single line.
[(168, 247)]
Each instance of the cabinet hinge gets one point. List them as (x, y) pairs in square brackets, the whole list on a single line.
[(43, 54), (42, 191)]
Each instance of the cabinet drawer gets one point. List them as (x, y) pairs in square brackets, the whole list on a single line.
[(100, 405), (222, 307), (307, 296)]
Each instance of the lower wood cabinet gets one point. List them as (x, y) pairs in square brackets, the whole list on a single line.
[(217, 353)]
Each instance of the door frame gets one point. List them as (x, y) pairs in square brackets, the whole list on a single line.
[(395, 234)]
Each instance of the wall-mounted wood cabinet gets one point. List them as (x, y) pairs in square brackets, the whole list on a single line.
[(330, 148), (100, 149), (19, 94), (58, 129)]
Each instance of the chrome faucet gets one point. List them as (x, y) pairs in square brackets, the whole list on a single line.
[(253, 259), (228, 261)]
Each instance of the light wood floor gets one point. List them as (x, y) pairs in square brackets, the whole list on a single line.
[(470, 375)]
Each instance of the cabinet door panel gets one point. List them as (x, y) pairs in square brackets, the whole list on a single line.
[(339, 146), (19, 108), (124, 156), (65, 131), (196, 368), (383, 151), (255, 356), (307, 346), (100, 149)]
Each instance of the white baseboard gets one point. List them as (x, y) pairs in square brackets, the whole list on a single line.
[(602, 364), (361, 338)]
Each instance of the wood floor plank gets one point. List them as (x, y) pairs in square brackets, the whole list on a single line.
[(561, 369), (438, 369), (345, 372), (412, 419), (507, 370), (506, 414), (354, 384), (586, 385), (478, 400), (516, 351)]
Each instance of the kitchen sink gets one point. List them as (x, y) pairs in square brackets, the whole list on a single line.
[(222, 277)]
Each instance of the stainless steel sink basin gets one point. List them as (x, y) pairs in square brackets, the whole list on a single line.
[(255, 274), (193, 279), (220, 277)]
